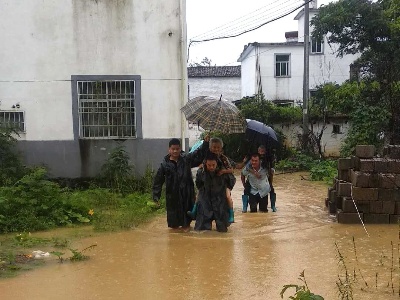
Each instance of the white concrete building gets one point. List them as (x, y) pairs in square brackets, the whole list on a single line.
[(215, 81), (276, 69), (212, 81), (78, 77)]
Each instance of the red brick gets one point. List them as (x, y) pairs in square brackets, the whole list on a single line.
[(344, 189), (365, 151), (344, 164), (388, 207), (348, 205), (332, 195), (375, 207), (388, 194), (394, 166), (394, 219), (359, 179), (344, 175), (348, 218), (363, 206), (373, 180), (397, 180), (392, 151), (366, 165), (332, 207), (339, 202), (369, 194), (376, 218), (381, 165), (387, 181)]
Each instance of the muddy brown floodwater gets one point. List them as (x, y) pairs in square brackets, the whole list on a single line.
[(259, 254)]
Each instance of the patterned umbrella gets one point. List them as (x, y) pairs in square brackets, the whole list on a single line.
[(215, 114)]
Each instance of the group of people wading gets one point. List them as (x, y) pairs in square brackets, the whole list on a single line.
[(214, 182)]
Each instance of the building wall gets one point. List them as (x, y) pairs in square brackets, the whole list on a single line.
[(248, 75), (324, 68), (47, 42), (331, 142), (228, 87)]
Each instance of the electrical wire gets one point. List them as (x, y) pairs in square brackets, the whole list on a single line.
[(251, 29), (245, 31), (247, 19)]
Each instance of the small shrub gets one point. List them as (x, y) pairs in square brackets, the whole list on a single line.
[(302, 291), (116, 171)]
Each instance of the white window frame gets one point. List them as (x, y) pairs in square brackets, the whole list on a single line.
[(316, 46), (106, 108), (13, 119), (282, 65)]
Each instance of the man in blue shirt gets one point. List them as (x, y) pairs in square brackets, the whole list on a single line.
[(259, 185)]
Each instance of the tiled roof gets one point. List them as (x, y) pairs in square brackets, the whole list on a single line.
[(223, 71)]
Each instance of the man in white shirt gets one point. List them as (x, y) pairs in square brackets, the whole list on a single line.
[(258, 179)]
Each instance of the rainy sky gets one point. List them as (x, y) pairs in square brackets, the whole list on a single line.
[(216, 18)]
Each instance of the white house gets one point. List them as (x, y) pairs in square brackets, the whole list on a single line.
[(212, 81), (215, 81), (78, 77), (276, 69)]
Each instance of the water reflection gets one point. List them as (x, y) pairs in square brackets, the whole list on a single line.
[(259, 254)]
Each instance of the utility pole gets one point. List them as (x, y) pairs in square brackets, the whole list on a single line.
[(306, 74)]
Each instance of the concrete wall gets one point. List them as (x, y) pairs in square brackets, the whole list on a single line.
[(325, 67), (45, 42), (228, 87), (249, 75), (331, 142)]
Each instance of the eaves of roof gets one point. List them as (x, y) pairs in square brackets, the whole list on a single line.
[(249, 47), (215, 71)]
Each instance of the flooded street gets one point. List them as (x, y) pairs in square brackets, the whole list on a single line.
[(259, 254)]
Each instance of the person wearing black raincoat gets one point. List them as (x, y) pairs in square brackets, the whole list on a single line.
[(175, 172), (211, 201)]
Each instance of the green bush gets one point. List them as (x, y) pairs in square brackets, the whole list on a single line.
[(35, 203), (320, 170), (297, 162), (11, 168), (324, 170)]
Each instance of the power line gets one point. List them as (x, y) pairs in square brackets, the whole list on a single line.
[(252, 29), (254, 22), (228, 26)]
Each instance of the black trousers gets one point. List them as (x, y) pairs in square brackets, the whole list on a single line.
[(255, 200)]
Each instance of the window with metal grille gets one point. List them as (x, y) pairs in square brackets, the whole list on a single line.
[(13, 120), (316, 46), (282, 65), (106, 109)]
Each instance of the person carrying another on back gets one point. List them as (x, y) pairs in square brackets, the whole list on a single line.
[(175, 172), (211, 200), (267, 161), (257, 176), (223, 167)]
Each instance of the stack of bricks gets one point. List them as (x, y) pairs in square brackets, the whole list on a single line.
[(368, 184)]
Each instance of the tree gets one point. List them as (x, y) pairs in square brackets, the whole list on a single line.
[(206, 62), (371, 28)]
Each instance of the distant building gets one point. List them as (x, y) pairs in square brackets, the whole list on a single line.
[(215, 81), (212, 81), (276, 69)]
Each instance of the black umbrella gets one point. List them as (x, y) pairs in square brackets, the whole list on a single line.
[(260, 133)]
